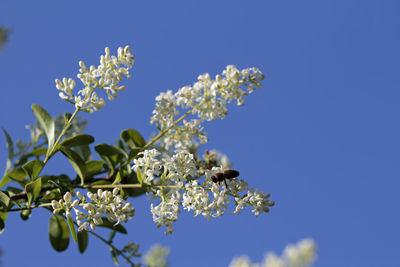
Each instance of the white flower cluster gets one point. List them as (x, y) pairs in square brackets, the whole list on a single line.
[(157, 256), (302, 254), (177, 180), (106, 76), (109, 203), (207, 99)]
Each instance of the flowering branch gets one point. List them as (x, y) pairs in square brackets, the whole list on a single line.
[(168, 167)]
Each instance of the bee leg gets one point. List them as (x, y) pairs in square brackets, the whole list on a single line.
[(226, 184)]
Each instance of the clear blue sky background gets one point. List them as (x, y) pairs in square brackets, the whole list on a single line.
[(322, 136)]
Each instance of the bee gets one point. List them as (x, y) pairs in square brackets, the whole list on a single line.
[(222, 176)]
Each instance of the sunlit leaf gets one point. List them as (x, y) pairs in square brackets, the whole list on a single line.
[(47, 123), (72, 228), (4, 200), (17, 175), (33, 168)]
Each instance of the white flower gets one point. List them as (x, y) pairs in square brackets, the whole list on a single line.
[(102, 202), (149, 165), (206, 99), (157, 256), (167, 211), (106, 76), (197, 199), (180, 166), (302, 254)]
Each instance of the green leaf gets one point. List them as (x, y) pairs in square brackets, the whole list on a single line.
[(53, 194), (10, 148), (113, 155), (132, 138), (77, 140), (84, 152), (58, 233), (17, 175), (83, 240), (107, 224), (117, 179), (76, 161), (93, 167), (34, 153), (3, 217), (72, 228), (32, 190), (133, 178), (33, 168), (114, 256), (47, 123), (139, 175), (4, 200)]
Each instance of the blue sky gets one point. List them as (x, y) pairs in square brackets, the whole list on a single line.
[(322, 136)]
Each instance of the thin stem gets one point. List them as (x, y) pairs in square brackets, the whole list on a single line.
[(27, 208), (128, 186), (64, 130), (120, 252)]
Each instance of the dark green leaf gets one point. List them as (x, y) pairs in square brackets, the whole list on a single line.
[(84, 152), (4, 200), (58, 233), (93, 167), (112, 235), (3, 217), (14, 175), (132, 178), (113, 155), (132, 138), (83, 240), (53, 194), (10, 148), (47, 123), (33, 168), (72, 228), (107, 224), (32, 190), (62, 185), (77, 140), (62, 178), (76, 161)]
